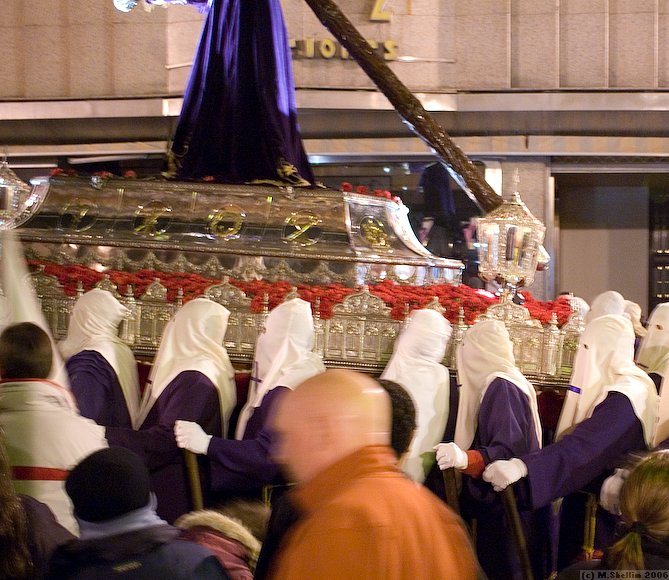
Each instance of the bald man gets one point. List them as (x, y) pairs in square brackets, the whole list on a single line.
[(362, 518)]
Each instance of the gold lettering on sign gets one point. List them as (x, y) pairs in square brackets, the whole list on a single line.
[(378, 13), (329, 49), (389, 50)]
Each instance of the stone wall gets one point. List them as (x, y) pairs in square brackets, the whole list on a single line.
[(63, 49)]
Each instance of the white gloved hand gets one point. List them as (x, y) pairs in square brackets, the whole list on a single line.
[(609, 495), (450, 455), (501, 474), (191, 436)]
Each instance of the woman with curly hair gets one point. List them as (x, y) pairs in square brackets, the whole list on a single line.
[(29, 532), (15, 559)]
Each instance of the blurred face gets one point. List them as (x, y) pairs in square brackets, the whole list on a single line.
[(292, 446)]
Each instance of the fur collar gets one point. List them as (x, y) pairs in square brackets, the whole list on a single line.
[(229, 527)]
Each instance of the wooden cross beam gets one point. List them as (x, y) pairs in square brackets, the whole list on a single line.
[(406, 104)]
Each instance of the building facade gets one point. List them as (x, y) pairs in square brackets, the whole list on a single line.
[(570, 93)]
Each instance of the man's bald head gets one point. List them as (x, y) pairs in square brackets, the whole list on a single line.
[(328, 417)]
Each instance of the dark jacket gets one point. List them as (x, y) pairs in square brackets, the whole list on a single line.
[(655, 556), (45, 534), (145, 554)]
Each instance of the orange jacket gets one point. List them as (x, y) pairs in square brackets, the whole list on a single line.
[(364, 519)]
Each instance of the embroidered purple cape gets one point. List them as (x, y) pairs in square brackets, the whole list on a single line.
[(239, 117)]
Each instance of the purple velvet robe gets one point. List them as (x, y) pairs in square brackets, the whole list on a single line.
[(505, 429), (239, 116), (245, 467), (580, 461), (96, 388), (191, 396)]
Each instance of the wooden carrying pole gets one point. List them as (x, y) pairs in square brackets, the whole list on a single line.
[(194, 479), (406, 104), (589, 526), (451, 487), (511, 509)]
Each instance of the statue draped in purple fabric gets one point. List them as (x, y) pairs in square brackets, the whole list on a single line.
[(238, 122)]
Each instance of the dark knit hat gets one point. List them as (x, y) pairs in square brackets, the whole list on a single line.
[(107, 484)]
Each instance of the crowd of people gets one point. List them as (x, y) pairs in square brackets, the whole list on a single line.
[(107, 478)]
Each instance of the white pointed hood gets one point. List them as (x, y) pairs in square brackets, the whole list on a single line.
[(486, 352), (22, 302), (283, 355), (604, 362), (193, 341), (93, 326), (416, 366)]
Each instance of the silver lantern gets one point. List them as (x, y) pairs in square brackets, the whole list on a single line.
[(509, 240)]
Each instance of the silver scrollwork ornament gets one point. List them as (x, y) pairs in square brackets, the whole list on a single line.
[(13, 193)]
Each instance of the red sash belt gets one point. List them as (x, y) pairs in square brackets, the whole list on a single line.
[(25, 473)]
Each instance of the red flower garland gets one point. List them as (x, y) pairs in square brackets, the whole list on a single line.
[(400, 298)]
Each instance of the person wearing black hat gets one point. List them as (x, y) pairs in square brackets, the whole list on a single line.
[(121, 534)]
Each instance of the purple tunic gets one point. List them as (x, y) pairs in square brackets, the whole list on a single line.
[(191, 396), (245, 467), (589, 452), (96, 388), (239, 117), (505, 429), (580, 461)]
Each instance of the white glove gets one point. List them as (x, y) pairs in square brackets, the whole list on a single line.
[(501, 474), (190, 436), (450, 455), (609, 495)]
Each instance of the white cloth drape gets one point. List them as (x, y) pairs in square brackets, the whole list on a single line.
[(653, 357), (653, 354), (283, 355), (486, 353), (604, 362), (94, 326), (633, 312), (22, 302), (193, 341), (416, 366), (609, 302)]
